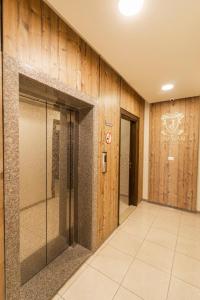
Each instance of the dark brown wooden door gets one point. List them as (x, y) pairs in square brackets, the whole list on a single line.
[(128, 173)]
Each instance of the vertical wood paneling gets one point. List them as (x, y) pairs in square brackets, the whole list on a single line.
[(133, 103), (10, 12), (46, 38), (36, 36), (174, 182), (35, 32), (109, 111), (130, 100)]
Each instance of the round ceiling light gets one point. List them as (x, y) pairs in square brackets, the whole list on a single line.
[(130, 7), (167, 87)]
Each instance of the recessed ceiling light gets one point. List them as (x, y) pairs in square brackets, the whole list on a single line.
[(130, 7), (167, 87)]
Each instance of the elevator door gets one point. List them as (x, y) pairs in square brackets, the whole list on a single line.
[(47, 147)]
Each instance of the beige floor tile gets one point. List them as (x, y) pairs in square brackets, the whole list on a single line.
[(63, 290), (91, 285), (124, 216), (189, 232), (162, 238), (111, 236), (124, 294), (180, 290), (123, 204), (166, 224), (136, 228), (112, 263), (148, 276), (187, 269), (188, 247), (173, 217), (145, 212), (170, 219), (170, 212), (190, 219), (126, 243), (143, 217), (146, 281), (103, 246), (151, 210), (156, 255), (91, 258)]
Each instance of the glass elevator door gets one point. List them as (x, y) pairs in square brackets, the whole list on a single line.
[(48, 149)]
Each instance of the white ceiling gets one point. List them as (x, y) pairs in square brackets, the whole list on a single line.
[(159, 45)]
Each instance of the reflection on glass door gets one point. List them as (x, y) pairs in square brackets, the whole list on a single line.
[(32, 149), (47, 154)]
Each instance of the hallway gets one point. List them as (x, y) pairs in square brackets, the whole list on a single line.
[(99, 126), (153, 255)]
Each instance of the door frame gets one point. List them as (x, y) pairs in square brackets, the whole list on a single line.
[(134, 157)]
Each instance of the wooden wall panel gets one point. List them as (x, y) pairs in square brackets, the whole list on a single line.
[(36, 36), (130, 100), (109, 112), (174, 183), (133, 103)]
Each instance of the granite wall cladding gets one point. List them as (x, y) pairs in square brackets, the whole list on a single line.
[(50, 279), (11, 177)]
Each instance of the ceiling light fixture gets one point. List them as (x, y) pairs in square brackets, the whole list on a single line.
[(167, 87), (130, 7)]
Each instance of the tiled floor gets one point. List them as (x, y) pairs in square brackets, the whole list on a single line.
[(153, 255), (124, 208), (123, 204)]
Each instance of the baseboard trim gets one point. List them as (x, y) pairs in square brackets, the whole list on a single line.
[(170, 206)]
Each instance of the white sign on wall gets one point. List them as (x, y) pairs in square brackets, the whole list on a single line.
[(172, 127)]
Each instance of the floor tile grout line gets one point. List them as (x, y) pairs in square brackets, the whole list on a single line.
[(122, 252), (70, 284), (97, 270), (129, 291), (157, 244), (171, 273), (136, 255), (103, 246), (191, 285), (153, 266), (113, 280), (187, 255), (133, 258), (119, 283), (116, 282)]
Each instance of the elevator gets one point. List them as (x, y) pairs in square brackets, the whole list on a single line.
[(48, 149)]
